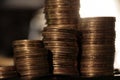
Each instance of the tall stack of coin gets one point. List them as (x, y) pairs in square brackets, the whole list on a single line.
[(98, 36), (31, 58), (59, 36), (7, 72)]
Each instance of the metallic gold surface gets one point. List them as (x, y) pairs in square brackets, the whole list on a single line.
[(62, 26), (97, 46), (59, 43), (31, 58), (59, 30), (56, 38), (60, 35), (7, 72), (58, 21)]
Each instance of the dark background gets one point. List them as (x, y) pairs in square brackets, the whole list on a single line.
[(15, 17)]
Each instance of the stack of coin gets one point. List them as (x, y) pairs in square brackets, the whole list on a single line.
[(60, 34), (62, 11), (31, 58), (98, 38), (7, 72)]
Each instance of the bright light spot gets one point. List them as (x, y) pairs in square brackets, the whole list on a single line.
[(91, 8)]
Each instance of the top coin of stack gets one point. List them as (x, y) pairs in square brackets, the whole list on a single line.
[(7, 72), (31, 58), (60, 34), (98, 37)]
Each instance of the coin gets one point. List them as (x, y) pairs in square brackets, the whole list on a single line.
[(66, 26), (58, 21), (60, 43), (57, 38), (18, 42), (60, 35), (48, 29), (31, 58), (7, 72), (97, 46), (100, 19)]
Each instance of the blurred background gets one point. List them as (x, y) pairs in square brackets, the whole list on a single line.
[(24, 19), (17, 17)]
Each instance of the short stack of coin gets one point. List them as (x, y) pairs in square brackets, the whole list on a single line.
[(59, 36), (7, 72), (31, 58), (98, 38)]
